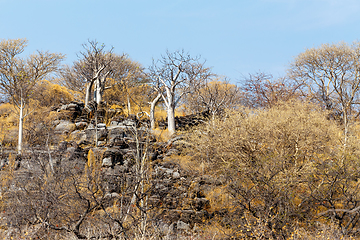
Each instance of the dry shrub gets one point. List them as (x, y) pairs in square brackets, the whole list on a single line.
[(269, 158), (320, 232), (49, 94), (8, 125)]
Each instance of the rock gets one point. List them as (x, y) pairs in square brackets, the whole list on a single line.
[(114, 123), (73, 153), (106, 162), (129, 123), (101, 143), (90, 134), (56, 122), (81, 125), (63, 107), (72, 106), (180, 225), (165, 229), (101, 125), (171, 215), (84, 143), (71, 110), (90, 107), (78, 135), (112, 195), (118, 142), (65, 127), (115, 156), (176, 175), (116, 132)]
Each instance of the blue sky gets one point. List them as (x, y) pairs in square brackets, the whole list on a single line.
[(235, 37)]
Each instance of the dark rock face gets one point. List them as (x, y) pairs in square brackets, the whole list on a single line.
[(112, 156), (179, 194), (81, 125), (70, 111), (185, 122), (116, 134)]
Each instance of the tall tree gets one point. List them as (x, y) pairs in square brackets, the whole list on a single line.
[(18, 76), (101, 69), (175, 75), (92, 69), (331, 75), (153, 104)]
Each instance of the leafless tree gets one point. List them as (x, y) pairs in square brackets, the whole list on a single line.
[(91, 70), (214, 97), (261, 90), (101, 69), (331, 75), (18, 76), (175, 75)]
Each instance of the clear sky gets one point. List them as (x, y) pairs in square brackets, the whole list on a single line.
[(235, 37)]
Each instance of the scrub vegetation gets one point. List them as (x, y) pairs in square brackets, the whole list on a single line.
[(108, 149)]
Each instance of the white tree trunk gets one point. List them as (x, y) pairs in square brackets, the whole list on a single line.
[(346, 127), (21, 123), (88, 94), (171, 118), (128, 105), (152, 111), (98, 92)]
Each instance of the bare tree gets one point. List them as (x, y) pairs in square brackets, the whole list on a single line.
[(18, 76), (101, 69), (96, 68), (214, 97), (261, 90), (175, 75), (92, 70), (331, 75)]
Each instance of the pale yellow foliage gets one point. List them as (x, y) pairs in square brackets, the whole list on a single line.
[(50, 94), (293, 130), (269, 159)]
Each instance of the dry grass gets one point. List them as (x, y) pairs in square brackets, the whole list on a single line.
[(161, 135)]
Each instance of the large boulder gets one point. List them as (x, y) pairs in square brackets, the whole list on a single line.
[(65, 127)]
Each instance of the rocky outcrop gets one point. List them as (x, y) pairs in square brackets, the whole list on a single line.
[(177, 193), (188, 121)]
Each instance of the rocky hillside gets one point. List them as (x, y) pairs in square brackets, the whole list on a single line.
[(175, 196)]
